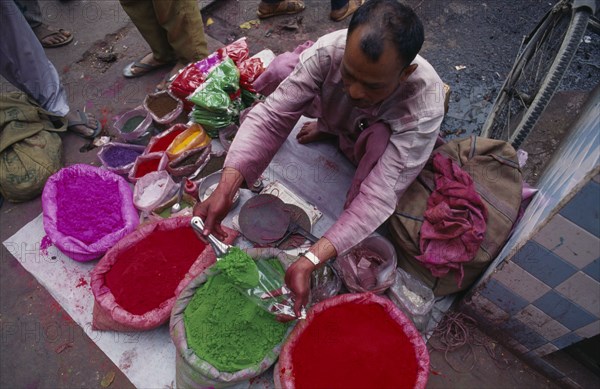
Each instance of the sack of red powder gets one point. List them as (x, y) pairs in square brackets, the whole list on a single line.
[(369, 266), (136, 283), (244, 334), (87, 210), (353, 341), (238, 51)]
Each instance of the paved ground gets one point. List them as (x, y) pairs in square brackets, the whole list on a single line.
[(42, 347)]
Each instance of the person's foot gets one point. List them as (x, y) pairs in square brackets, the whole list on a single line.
[(342, 13), (51, 37), (82, 123), (143, 66), (164, 84), (285, 7), (309, 133)]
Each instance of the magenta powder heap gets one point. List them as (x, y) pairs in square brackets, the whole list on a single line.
[(87, 210)]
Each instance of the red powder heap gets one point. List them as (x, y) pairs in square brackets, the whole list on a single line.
[(354, 346), (89, 207), (146, 166), (163, 143), (147, 274)]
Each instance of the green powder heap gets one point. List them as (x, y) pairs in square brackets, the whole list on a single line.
[(228, 330), (239, 267)]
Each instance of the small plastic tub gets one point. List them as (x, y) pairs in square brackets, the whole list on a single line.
[(148, 163), (163, 107), (133, 124), (119, 157)]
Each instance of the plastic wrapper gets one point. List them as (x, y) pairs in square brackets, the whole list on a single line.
[(413, 297), (226, 75), (284, 369), (250, 69), (325, 283), (270, 294), (108, 314), (162, 141), (147, 163), (153, 189), (119, 158), (163, 107), (192, 371), (189, 161), (133, 124), (369, 266), (211, 97), (193, 137), (91, 216), (213, 122), (237, 51), (191, 77)]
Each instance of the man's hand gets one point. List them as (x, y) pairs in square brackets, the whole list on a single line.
[(214, 209), (297, 279)]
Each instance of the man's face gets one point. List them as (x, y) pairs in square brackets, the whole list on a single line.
[(368, 83)]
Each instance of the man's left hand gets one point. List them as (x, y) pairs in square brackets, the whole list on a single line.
[(297, 279)]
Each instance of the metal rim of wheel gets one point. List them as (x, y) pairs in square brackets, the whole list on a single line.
[(536, 74)]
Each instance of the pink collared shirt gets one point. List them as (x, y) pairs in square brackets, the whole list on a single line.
[(413, 112)]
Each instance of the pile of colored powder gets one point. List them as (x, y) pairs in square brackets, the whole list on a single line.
[(354, 346), (132, 123), (146, 166), (161, 104), (117, 156), (147, 273), (89, 207), (228, 330), (162, 143), (239, 267)]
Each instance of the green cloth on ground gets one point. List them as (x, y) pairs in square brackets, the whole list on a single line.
[(228, 330)]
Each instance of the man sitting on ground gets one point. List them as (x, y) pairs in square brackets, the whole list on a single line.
[(366, 86)]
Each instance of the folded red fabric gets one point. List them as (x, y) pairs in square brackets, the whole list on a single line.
[(455, 220)]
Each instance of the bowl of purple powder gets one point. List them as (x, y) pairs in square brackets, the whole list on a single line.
[(119, 157)]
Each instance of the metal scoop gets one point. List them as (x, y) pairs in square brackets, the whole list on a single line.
[(219, 247)]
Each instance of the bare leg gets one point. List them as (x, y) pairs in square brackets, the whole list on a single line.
[(309, 133)]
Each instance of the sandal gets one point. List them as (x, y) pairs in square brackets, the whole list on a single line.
[(342, 13), (285, 7), (83, 120), (43, 32), (144, 68)]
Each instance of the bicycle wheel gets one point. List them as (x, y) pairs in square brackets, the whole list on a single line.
[(536, 74)]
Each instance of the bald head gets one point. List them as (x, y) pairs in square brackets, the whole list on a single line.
[(388, 24)]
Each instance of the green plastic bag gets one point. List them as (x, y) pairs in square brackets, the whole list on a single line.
[(211, 97), (226, 75)]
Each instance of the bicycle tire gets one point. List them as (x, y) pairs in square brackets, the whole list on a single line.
[(527, 108)]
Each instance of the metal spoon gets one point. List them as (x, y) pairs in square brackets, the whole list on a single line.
[(219, 247), (177, 206)]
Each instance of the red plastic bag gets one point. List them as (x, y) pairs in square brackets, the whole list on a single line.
[(237, 51), (364, 324), (108, 313), (186, 82), (250, 69)]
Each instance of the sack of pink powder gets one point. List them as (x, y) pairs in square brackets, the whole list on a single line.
[(87, 210)]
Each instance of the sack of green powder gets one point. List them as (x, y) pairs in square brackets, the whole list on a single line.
[(136, 283), (232, 345)]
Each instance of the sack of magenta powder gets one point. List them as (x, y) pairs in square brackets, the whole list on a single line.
[(135, 284), (87, 210)]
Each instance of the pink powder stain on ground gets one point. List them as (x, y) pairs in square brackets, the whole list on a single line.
[(90, 208), (127, 359), (45, 245), (82, 282)]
